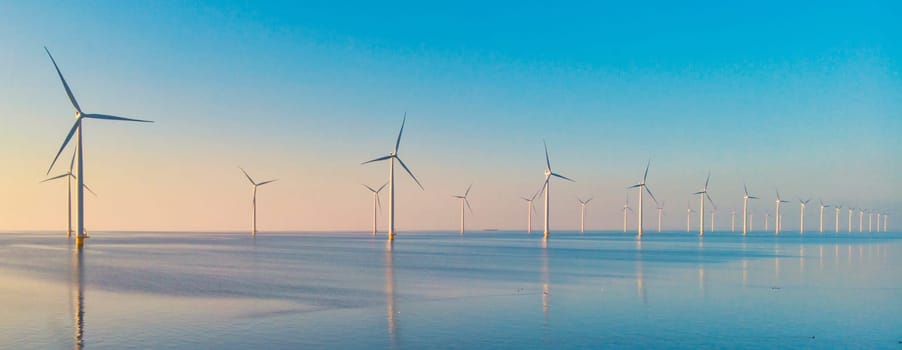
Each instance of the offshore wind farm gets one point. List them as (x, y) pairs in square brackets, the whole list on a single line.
[(486, 96)]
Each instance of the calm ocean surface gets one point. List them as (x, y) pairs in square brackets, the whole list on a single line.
[(440, 290)]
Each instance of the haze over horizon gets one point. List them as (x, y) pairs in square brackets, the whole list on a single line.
[(807, 100)]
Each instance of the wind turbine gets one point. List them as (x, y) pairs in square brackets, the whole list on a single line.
[(582, 213), (77, 131), (877, 216), (777, 223), (745, 209), (701, 211), (660, 214), (548, 174), (885, 215), (767, 220), (850, 218), (822, 214), (751, 221), (69, 176), (530, 210), (837, 209), (860, 220), (713, 215), (377, 205), (463, 200), (733, 220), (254, 201), (802, 203), (391, 157), (870, 218), (643, 188), (626, 206), (689, 212)]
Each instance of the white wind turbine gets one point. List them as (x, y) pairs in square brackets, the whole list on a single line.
[(767, 220), (733, 220), (463, 200), (837, 210), (626, 206), (77, 131), (877, 215), (701, 211), (885, 219), (377, 204), (582, 213), (802, 204), (254, 201), (745, 210), (822, 214), (69, 176), (689, 212), (751, 220), (851, 209), (660, 214), (777, 223), (870, 218), (860, 220), (546, 186), (713, 215), (530, 210), (643, 188), (391, 157)]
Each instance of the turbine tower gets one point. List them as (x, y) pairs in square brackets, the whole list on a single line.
[(701, 210), (745, 210), (626, 206), (733, 220), (860, 220), (870, 218), (877, 216), (377, 204), (767, 220), (530, 210), (69, 176), (643, 188), (463, 200), (884, 221), (751, 220), (254, 201), (837, 209), (546, 187), (689, 212), (777, 223), (77, 131), (391, 157), (802, 203), (850, 218), (660, 214), (582, 213)]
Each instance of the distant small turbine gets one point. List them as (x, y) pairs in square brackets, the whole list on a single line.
[(870, 218), (463, 200), (745, 209), (391, 157), (851, 209), (885, 219), (69, 176), (377, 204), (837, 209), (701, 211), (689, 212), (546, 187), (254, 201), (751, 220), (582, 213), (877, 215), (802, 203), (767, 220), (643, 188), (860, 220), (713, 215), (733, 220), (530, 210), (660, 214), (626, 206), (777, 223)]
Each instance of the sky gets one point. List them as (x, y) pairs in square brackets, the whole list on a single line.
[(806, 98)]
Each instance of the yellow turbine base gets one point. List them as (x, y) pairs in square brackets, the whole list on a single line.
[(80, 241)]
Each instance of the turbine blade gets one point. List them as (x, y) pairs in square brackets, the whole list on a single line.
[(377, 159), (468, 205), (398, 142), (381, 187), (68, 137), (266, 182), (650, 194), (589, 200), (248, 176), (72, 161), (644, 177), (562, 177), (369, 188), (89, 190), (634, 186), (56, 177), (753, 197), (746, 187), (699, 192), (525, 199), (706, 181), (468, 190), (711, 200), (378, 202), (409, 172), (63, 80), (113, 117), (547, 160)]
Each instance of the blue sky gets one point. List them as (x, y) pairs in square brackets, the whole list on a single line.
[(804, 97)]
